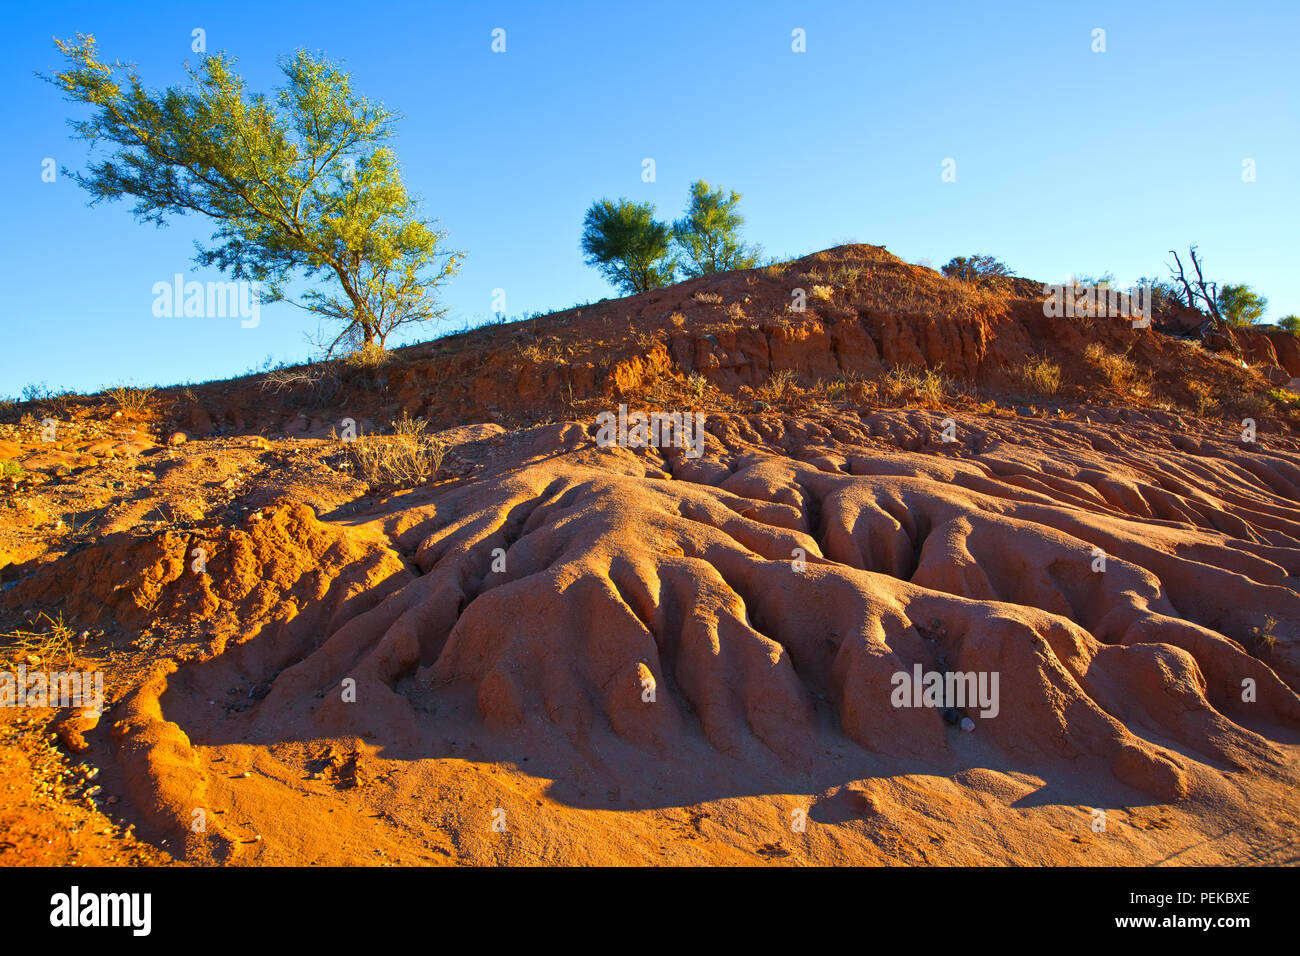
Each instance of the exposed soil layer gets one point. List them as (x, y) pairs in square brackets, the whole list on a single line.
[(603, 644), (557, 652)]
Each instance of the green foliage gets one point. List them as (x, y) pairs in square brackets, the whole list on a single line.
[(628, 245), (299, 184), (1285, 397), (708, 234), (1103, 281), (977, 270), (1164, 295), (1241, 305), (10, 469), (1291, 323)]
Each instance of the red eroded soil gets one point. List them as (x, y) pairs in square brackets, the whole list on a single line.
[(557, 652)]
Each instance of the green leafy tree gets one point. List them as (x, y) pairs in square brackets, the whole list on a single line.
[(977, 270), (1241, 305), (300, 185), (708, 234), (1291, 323), (632, 249)]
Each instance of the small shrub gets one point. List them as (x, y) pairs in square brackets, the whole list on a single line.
[(318, 382), (369, 356), (779, 387), (539, 352), (677, 319), (983, 272), (697, 385), (1261, 641), (129, 398), (736, 311), (1119, 371), (10, 469), (1284, 397), (710, 297), (1202, 399), (409, 456), (47, 646), (1042, 375), (822, 292), (926, 387)]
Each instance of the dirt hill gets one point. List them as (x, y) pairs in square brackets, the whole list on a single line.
[(559, 651)]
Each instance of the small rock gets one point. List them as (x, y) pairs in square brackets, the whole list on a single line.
[(177, 438), (967, 724)]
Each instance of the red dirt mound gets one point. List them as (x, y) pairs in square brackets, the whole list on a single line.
[(562, 651)]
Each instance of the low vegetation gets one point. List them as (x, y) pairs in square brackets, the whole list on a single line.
[(130, 399), (1042, 375), (1118, 371), (410, 456)]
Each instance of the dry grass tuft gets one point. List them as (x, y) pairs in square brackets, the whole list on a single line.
[(1119, 371), (407, 457), (129, 398), (370, 356), (47, 647), (779, 387), (1042, 375), (927, 387)]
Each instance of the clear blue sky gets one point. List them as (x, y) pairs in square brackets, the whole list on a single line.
[(1067, 160)]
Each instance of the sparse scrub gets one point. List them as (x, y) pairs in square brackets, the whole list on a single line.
[(409, 456), (779, 387), (1042, 375), (984, 272), (369, 356), (56, 401), (677, 320), (1285, 397), (318, 382), (542, 352), (712, 298), (696, 385), (736, 312), (130, 399), (822, 292), (47, 646), (1261, 641), (1202, 399), (928, 387), (10, 469), (1119, 371)]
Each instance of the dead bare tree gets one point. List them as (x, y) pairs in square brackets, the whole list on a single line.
[(1206, 294)]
